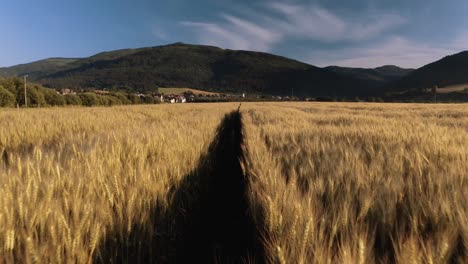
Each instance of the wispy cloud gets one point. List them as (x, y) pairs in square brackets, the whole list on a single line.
[(394, 50), (316, 23), (236, 33), (368, 39), (276, 22), (306, 22), (461, 41), (160, 34)]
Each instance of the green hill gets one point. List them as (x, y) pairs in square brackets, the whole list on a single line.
[(448, 71), (36, 68), (377, 76), (201, 67)]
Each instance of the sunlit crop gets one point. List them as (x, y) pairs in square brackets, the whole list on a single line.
[(283, 182), (71, 177), (360, 183)]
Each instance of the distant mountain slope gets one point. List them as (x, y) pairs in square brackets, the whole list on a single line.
[(380, 75), (450, 70), (207, 68), (204, 67), (35, 68), (100, 57)]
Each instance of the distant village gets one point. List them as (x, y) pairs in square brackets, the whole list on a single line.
[(189, 96), (158, 97), (172, 98)]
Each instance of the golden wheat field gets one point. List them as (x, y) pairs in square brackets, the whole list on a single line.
[(270, 183), (69, 177), (361, 183)]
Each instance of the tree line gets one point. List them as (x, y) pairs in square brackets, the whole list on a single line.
[(12, 95)]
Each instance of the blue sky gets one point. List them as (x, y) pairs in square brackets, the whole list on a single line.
[(357, 33)]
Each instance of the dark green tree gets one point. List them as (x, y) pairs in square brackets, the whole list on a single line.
[(11, 84), (122, 98), (133, 99), (109, 100), (73, 99), (35, 95), (53, 98), (148, 99), (89, 99), (7, 98)]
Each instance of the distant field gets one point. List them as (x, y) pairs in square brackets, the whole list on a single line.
[(183, 90), (202, 183), (453, 88)]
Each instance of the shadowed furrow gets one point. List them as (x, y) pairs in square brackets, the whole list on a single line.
[(208, 220)]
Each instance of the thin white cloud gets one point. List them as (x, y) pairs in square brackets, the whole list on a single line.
[(394, 50), (368, 40), (234, 33), (376, 26), (160, 34), (316, 23), (461, 41), (276, 22)]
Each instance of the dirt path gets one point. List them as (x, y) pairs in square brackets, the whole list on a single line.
[(218, 227), (208, 220)]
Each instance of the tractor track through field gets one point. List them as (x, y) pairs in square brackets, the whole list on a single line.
[(209, 219)]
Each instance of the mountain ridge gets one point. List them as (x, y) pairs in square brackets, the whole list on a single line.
[(223, 70), (450, 70), (35, 66), (380, 74)]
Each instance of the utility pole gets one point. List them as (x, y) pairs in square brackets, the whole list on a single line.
[(25, 91)]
